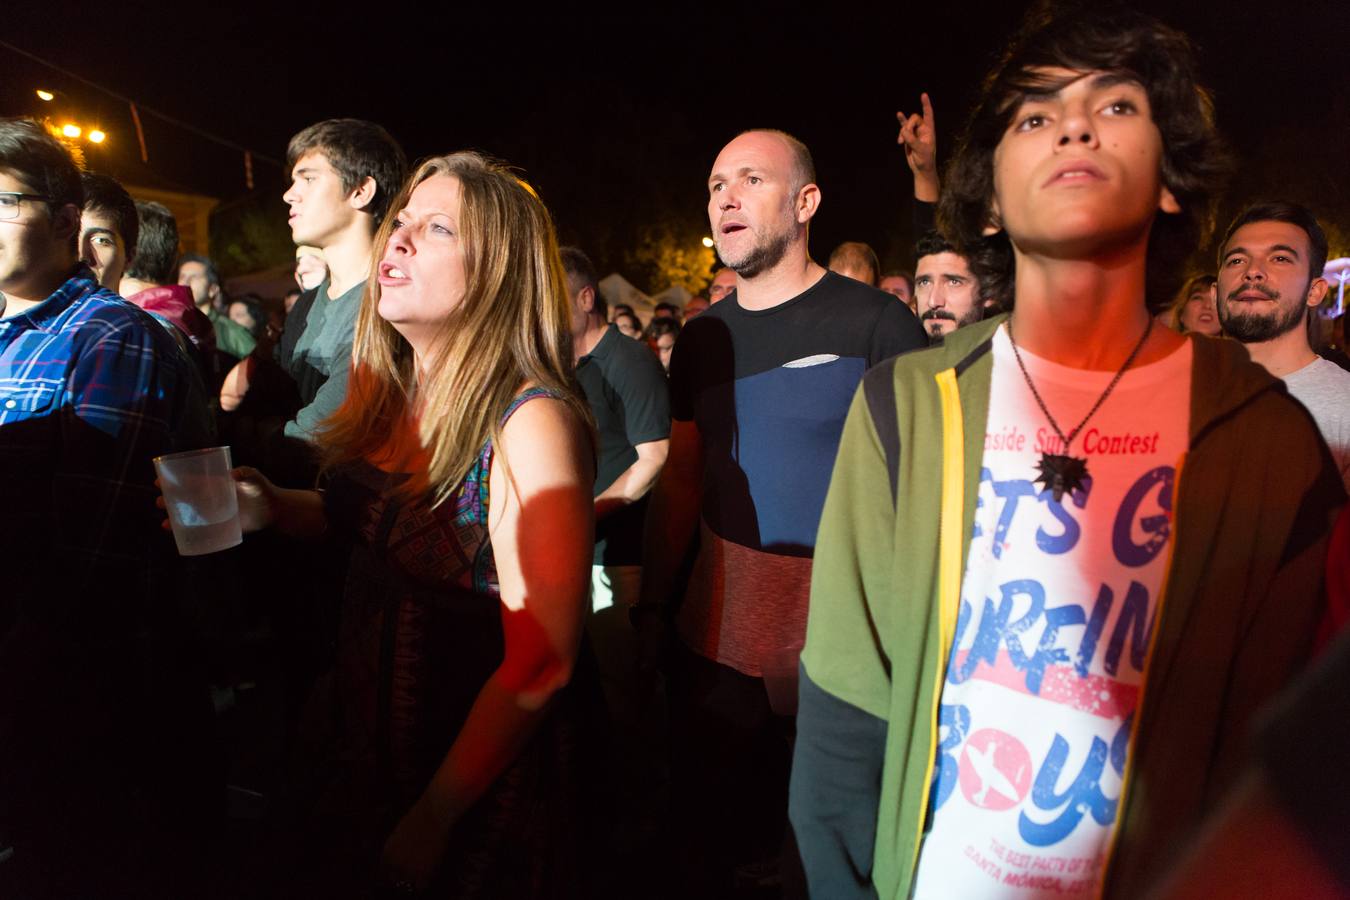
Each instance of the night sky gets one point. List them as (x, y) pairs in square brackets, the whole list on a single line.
[(616, 120)]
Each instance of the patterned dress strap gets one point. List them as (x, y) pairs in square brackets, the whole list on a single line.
[(524, 397)]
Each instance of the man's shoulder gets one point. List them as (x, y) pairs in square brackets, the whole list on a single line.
[(101, 312), (1324, 374), (623, 351), (840, 289)]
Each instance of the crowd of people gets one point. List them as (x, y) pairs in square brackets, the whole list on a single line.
[(993, 578)]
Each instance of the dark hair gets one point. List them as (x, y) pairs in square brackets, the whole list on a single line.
[(803, 166), (1292, 214), (658, 327), (253, 303), (105, 194), (357, 150), (931, 243), (156, 245), (857, 254), (580, 274), (624, 308), (42, 164), (208, 267), (670, 306), (1111, 38), (995, 288)]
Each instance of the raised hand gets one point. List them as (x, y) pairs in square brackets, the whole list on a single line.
[(918, 135)]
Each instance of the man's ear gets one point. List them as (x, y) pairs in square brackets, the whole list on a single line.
[(993, 220), (1167, 201), (364, 194), (66, 222), (808, 203), (1317, 291), (212, 292), (586, 299)]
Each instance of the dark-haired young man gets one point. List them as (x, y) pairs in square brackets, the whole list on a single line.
[(1066, 554), (1270, 276), (947, 292), (627, 394), (109, 226), (344, 173), (146, 278), (200, 276), (759, 387), (91, 390)]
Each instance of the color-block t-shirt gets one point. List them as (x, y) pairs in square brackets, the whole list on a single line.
[(1051, 642), (769, 390)]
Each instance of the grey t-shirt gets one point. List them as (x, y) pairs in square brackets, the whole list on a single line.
[(1324, 388), (322, 357)]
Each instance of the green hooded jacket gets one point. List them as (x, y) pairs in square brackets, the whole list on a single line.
[(1254, 500)]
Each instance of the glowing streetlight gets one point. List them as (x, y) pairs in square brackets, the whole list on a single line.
[(708, 242), (71, 131), (97, 136), (48, 96)]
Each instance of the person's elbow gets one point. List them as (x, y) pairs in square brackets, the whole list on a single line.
[(654, 454), (535, 675)]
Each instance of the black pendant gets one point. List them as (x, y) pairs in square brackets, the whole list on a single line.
[(1061, 474)]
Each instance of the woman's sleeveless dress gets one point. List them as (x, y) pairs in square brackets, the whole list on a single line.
[(420, 634)]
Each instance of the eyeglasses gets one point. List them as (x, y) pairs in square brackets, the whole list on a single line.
[(9, 203)]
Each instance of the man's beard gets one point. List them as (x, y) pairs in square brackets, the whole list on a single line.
[(1255, 328), (931, 317), (764, 255)]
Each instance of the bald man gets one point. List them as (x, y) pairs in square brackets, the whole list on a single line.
[(759, 386)]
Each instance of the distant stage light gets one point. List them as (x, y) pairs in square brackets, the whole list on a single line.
[(97, 136), (46, 95), (707, 242), (71, 131)]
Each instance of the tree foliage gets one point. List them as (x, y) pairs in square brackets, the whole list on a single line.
[(662, 258)]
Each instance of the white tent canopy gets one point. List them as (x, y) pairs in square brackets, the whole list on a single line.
[(675, 294), (616, 290)]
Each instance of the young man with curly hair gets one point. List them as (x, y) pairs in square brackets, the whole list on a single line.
[(1066, 554)]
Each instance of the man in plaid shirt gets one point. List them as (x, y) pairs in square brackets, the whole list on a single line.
[(91, 389)]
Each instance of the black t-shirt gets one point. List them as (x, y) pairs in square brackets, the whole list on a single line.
[(627, 392), (769, 390)]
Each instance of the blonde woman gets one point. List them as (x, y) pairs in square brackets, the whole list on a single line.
[(461, 463), (1195, 309)]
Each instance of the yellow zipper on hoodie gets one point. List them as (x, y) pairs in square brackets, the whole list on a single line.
[(950, 563)]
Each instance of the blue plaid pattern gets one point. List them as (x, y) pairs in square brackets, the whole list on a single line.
[(91, 389)]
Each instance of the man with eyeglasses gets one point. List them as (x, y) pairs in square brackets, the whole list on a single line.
[(95, 715)]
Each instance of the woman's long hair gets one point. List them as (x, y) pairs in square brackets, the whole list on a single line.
[(513, 327)]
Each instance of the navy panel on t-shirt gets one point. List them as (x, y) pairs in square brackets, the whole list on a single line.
[(769, 390)]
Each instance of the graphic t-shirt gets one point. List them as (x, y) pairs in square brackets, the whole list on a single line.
[(1057, 607), (769, 390)]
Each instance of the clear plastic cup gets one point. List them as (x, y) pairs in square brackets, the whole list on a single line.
[(199, 497)]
